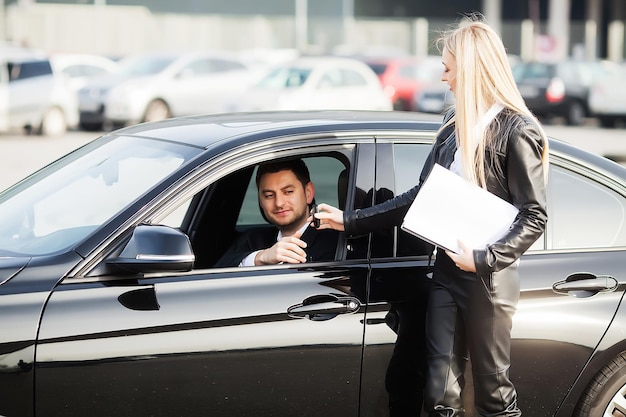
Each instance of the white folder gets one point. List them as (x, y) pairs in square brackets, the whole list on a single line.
[(449, 208)]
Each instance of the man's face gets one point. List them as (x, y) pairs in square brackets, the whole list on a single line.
[(285, 200)]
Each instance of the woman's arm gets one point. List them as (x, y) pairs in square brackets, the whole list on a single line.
[(526, 182)]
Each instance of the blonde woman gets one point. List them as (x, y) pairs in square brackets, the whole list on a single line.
[(491, 139)]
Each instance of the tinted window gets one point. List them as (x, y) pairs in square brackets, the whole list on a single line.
[(24, 70), (378, 68), (583, 213), (531, 71), (408, 161)]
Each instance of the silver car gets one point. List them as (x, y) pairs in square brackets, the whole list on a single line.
[(35, 98), (156, 86)]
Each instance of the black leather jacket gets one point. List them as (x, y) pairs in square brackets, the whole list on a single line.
[(517, 177)]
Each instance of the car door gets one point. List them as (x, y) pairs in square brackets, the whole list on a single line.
[(394, 354), (569, 292), (263, 341), (31, 85)]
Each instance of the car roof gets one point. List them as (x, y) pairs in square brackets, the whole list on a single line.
[(234, 129), (204, 131)]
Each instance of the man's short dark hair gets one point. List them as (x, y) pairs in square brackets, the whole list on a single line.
[(297, 166)]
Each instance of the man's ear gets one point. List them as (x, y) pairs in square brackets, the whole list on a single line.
[(309, 192)]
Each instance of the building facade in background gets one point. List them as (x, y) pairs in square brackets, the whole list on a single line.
[(533, 29)]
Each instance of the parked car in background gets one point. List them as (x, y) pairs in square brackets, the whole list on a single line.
[(82, 68), (559, 88), (607, 98), (403, 77), (435, 98), (315, 83), (157, 86), (111, 304), (37, 98)]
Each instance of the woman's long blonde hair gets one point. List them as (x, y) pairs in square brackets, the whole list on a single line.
[(483, 77)]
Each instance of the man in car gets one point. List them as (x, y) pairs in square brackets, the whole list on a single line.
[(286, 195)]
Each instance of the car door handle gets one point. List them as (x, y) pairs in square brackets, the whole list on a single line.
[(324, 307), (585, 284)]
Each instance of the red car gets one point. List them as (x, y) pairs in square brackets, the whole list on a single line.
[(402, 77)]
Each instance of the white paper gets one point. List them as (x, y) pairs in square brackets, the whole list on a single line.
[(448, 208)]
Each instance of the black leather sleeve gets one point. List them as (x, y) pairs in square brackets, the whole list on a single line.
[(388, 213), (391, 212), (525, 178)]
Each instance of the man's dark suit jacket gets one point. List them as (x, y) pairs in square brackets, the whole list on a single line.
[(321, 245)]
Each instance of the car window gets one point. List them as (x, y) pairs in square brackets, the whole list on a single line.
[(24, 70), (280, 78), (408, 159), (583, 213), (338, 78), (324, 175), (221, 65), (84, 70), (233, 201), (136, 66), (63, 203), (352, 78), (531, 71), (379, 69)]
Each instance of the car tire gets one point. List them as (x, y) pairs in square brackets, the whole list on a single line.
[(401, 105), (575, 114), (157, 110), (53, 123), (607, 121), (606, 392), (90, 127)]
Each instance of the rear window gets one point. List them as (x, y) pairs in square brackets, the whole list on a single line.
[(532, 71), (30, 69), (377, 68)]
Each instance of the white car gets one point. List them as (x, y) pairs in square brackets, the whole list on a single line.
[(35, 97), (316, 83), (82, 68), (158, 86), (607, 99)]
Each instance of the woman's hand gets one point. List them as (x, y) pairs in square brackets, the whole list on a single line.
[(330, 217), (465, 259)]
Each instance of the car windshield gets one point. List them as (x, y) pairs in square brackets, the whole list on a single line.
[(287, 77), (144, 65), (66, 201)]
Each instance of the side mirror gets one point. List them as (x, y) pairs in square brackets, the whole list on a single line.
[(154, 248)]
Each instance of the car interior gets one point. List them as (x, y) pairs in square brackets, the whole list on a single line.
[(230, 206)]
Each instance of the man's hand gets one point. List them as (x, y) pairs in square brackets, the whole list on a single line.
[(287, 250)]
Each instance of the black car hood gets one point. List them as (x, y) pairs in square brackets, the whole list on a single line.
[(10, 266)]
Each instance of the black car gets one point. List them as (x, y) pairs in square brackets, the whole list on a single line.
[(559, 88), (110, 304)]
